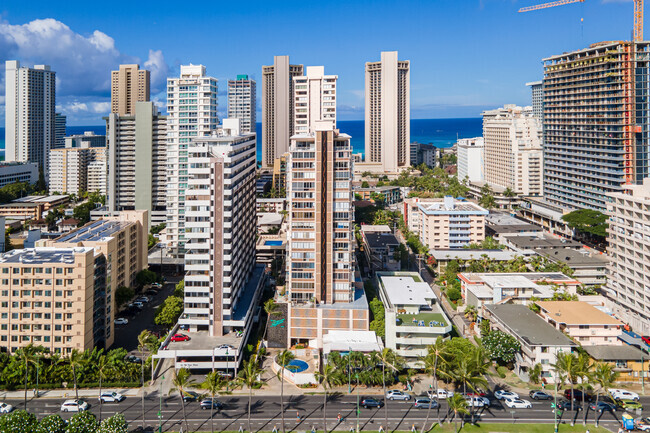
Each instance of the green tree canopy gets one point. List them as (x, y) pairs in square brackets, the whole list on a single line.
[(114, 424), (169, 312), (18, 421), (82, 422), (501, 347), (51, 424), (587, 221)]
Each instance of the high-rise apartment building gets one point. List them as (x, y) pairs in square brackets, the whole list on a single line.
[(513, 154), (595, 123), (470, 153), (129, 85), (628, 282), (59, 130), (192, 109), (242, 102), (87, 139), (315, 98), (30, 101), (277, 108), (69, 168), (388, 114), (321, 294), (137, 162), (537, 98)]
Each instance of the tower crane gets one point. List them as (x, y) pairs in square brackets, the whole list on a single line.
[(638, 13)]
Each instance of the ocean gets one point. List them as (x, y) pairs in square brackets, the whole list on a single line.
[(439, 132)]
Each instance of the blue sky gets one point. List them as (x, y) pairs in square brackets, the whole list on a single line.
[(466, 55)]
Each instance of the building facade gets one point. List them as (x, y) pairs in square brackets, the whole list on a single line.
[(87, 139), (18, 172), (242, 102), (451, 223), (30, 100), (69, 169), (59, 130), (314, 98), (278, 111), (537, 98), (192, 109), (470, 152), (513, 149), (129, 85)]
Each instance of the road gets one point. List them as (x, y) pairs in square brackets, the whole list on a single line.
[(266, 413)]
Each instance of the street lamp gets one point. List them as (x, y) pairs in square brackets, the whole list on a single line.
[(349, 353), (227, 374), (357, 376), (160, 406)]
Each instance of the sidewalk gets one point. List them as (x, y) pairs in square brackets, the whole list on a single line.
[(89, 393)]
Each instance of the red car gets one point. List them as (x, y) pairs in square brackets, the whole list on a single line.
[(180, 337)]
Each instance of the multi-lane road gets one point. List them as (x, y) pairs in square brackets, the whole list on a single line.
[(265, 414)]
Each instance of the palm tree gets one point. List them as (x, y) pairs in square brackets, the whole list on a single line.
[(26, 355), (604, 376), (585, 368), (567, 365), (76, 361), (326, 379), (469, 371), (271, 310), (181, 381), (146, 341), (508, 192), (457, 405), (535, 373), (101, 366), (213, 383), (389, 358), (249, 376), (283, 359), (432, 360)]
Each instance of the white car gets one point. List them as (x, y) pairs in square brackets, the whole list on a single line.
[(74, 406), (442, 394), (395, 394), (6, 408), (111, 397), (623, 394), (121, 321), (501, 394), (474, 401), (517, 403)]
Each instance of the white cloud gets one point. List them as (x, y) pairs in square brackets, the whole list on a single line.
[(159, 70)]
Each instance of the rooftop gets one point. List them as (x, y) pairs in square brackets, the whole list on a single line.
[(500, 222), (430, 319), (615, 353), (537, 277), (574, 257), (406, 290), (378, 188), (380, 240), (40, 199), (358, 341), (265, 219), (576, 313), (535, 242), (527, 326), (43, 255), (467, 254), (374, 228), (94, 231), (451, 207)]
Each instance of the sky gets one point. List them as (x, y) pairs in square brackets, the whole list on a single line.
[(466, 55)]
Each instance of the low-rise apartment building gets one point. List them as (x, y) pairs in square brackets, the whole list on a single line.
[(451, 223), (389, 194), (630, 363), (379, 246)]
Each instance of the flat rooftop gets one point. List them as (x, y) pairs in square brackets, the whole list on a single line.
[(577, 313), (459, 207), (40, 199), (378, 188), (468, 254), (268, 218), (574, 257), (369, 228), (527, 326), (380, 240), (549, 277), (358, 341), (501, 222), (94, 231), (535, 242), (43, 255), (509, 282), (202, 340), (405, 290)]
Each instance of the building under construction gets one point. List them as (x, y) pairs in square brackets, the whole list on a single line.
[(596, 122)]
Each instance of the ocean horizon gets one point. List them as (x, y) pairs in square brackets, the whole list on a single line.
[(438, 132)]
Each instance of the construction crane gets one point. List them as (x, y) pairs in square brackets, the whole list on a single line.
[(638, 13)]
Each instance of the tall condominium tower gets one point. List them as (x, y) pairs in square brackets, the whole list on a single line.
[(192, 108), (29, 120), (470, 152), (220, 222), (596, 123), (321, 293), (59, 130), (137, 162), (129, 85), (537, 90), (277, 108), (315, 98), (513, 155), (388, 116), (69, 167), (242, 102)]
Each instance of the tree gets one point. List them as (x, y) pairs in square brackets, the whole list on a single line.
[(470, 313), (76, 361), (469, 369), (509, 193), (249, 376), (27, 356), (41, 186), (272, 310), (146, 341), (168, 313), (283, 359), (435, 356), (82, 422), (326, 378), (102, 367), (179, 290), (50, 424), (389, 358), (487, 201), (181, 381), (8, 246), (145, 277), (18, 421), (114, 424), (501, 347), (566, 364), (535, 373), (122, 295), (457, 405), (585, 368), (454, 294), (604, 376), (365, 184), (214, 383), (378, 323), (589, 221)]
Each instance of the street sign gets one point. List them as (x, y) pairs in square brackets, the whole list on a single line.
[(552, 405)]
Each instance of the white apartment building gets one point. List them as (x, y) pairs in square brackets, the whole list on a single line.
[(513, 155), (277, 108), (470, 152), (537, 93), (69, 169), (137, 162), (315, 98), (388, 115), (29, 113), (242, 102), (192, 109), (451, 223), (628, 236), (96, 176)]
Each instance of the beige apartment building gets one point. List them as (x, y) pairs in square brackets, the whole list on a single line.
[(450, 223), (129, 85), (388, 115), (315, 98), (49, 296), (513, 154), (628, 236), (277, 108), (69, 169)]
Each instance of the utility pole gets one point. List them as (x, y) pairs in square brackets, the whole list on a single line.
[(357, 375), (349, 353), (160, 406)]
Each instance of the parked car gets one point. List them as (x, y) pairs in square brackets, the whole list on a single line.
[(121, 321), (134, 359), (629, 405), (425, 403), (135, 306), (138, 304), (180, 337), (395, 394), (623, 394), (6, 408), (602, 406), (540, 395), (441, 394), (225, 346), (371, 402), (157, 285), (474, 402), (74, 406), (111, 397), (190, 396), (208, 403), (143, 299), (501, 394), (642, 424), (517, 403), (151, 292), (485, 400), (577, 395)]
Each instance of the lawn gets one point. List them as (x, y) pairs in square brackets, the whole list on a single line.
[(407, 319)]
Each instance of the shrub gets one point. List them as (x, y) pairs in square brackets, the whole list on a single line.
[(453, 294), (501, 371)]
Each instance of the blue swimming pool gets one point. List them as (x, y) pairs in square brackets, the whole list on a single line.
[(297, 366), (273, 243)]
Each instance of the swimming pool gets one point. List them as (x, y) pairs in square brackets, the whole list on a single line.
[(273, 243), (297, 366)]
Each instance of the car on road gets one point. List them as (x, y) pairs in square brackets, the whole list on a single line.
[(225, 346), (483, 398), (134, 359), (441, 394), (517, 403), (151, 292), (395, 394), (474, 402), (180, 337), (540, 395), (208, 403), (6, 408), (642, 424), (577, 395), (143, 299), (74, 406), (111, 397), (602, 406), (371, 402), (138, 304), (135, 306), (190, 396), (425, 403), (566, 405), (623, 394), (629, 405), (501, 394), (121, 321)]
